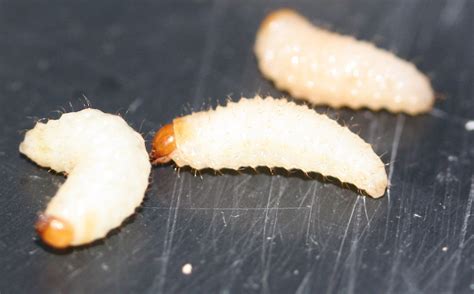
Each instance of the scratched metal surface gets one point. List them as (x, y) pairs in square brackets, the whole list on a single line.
[(254, 233)]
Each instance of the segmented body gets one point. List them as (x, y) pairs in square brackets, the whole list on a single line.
[(274, 133), (323, 67), (107, 169)]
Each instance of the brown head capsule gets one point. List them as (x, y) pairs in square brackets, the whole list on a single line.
[(54, 231), (163, 144)]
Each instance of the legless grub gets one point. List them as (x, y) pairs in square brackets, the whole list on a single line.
[(273, 133), (107, 166), (323, 67)]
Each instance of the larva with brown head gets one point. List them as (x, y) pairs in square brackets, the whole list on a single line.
[(107, 169), (274, 133), (323, 67)]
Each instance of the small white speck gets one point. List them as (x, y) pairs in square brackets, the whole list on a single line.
[(471, 286), (469, 125), (452, 158), (445, 248), (187, 269), (416, 215), (295, 272), (104, 266)]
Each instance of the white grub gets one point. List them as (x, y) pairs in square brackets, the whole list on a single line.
[(323, 67), (274, 133), (187, 269), (107, 168)]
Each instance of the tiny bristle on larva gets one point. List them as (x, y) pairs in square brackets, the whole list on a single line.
[(107, 166), (275, 133), (327, 68)]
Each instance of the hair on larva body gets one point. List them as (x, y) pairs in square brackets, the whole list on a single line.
[(273, 133), (107, 166), (323, 67)]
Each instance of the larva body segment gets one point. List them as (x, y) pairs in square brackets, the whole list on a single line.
[(275, 133), (107, 166), (323, 67)]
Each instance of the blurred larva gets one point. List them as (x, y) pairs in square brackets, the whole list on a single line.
[(273, 133), (107, 169), (323, 67)]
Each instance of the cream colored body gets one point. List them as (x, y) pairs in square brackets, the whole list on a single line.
[(107, 167), (276, 133), (327, 68)]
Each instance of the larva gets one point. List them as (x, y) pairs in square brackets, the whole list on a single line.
[(107, 168), (274, 133), (323, 67)]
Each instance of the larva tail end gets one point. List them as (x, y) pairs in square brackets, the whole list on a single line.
[(274, 15), (54, 231), (376, 194), (163, 145), (378, 190)]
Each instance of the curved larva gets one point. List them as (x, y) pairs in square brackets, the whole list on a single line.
[(327, 68), (107, 166), (273, 133)]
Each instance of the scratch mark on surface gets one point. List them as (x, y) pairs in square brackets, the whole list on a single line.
[(352, 258), (264, 258), (303, 286), (450, 117), (168, 238), (366, 214), (223, 219), (398, 251), (462, 237), (308, 237), (393, 155), (332, 282), (371, 218), (452, 12), (210, 46), (423, 255), (393, 158), (408, 278), (134, 105)]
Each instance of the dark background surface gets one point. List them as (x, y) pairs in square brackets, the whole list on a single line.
[(153, 60)]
